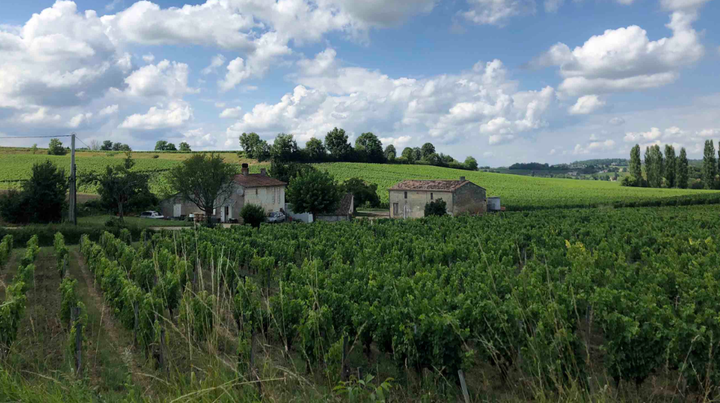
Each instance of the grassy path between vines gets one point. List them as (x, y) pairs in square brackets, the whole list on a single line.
[(111, 354)]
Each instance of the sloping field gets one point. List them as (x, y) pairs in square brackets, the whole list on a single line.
[(516, 192)]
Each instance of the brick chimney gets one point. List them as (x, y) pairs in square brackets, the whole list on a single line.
[(245, 169), (263, 171), (462, 179)]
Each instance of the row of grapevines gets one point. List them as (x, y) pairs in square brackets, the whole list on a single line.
[(13, 307), (6, 247), (516, 290)]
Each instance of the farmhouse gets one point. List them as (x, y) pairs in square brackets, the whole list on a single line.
[(259, 189), (408, 198)]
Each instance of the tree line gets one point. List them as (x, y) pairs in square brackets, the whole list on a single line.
[(337, 148), (661, 171), (671, 170)]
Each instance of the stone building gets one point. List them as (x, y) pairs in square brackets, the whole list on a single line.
[(408, 198), (259, 189)]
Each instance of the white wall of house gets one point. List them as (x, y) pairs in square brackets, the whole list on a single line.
[(270, 198)]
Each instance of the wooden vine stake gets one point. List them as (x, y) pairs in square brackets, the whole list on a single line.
[(463, 385), (75, 314)]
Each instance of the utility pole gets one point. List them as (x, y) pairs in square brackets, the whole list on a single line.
[(73, 183)]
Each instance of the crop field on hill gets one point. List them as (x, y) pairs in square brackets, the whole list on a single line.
[(516, 192), (17, 163), (556, 305)]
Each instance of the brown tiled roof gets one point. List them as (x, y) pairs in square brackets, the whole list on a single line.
[(438, 185), (257, 180), (344, 208)]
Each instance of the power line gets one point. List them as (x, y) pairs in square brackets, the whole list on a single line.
[(34, 137), (82, 141)]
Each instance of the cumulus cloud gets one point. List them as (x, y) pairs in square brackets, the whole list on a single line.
[(498, 12), (399, 142), (79, 119), (216, 62), (653, 134), (39, 117), (165, 79), (231, 113), (626, 59), (586, 104), (148, 58), (174, 115), (58, 58), (594, 147), (109, 110), (479, 103)]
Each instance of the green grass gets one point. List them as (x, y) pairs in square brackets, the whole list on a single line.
[(515, 191), (16, 163), (142, 223)]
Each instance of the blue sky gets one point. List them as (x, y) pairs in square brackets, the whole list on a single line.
[(501, 80)]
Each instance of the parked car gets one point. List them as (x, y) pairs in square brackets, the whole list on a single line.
[(275, 217), (151, 214)]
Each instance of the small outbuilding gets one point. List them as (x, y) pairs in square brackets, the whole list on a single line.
[(344, 211), (408, 198)]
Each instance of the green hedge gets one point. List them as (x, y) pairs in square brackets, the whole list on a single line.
[(72, 234)]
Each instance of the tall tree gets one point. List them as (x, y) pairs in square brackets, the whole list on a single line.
[(417, 154), (336, 142), (315, 150), (44, 193), (648, 162), (636, 164), (206, 180), (284, 148), (119, 184), (408, 154), (364, 193), (427, 150), (370, 148), (657, 167), (670, 166), (313, 192), (471, 163), (390, 153), (185, 147), (682, 170), (56, 148), (249, 142), (161, 145), (709, 165), (106, 145)]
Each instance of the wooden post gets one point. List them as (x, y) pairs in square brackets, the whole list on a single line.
[(75, 313), (343, 368), (163, 363), (466, 395), (136, 325)]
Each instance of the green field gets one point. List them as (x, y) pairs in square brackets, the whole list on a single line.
[(515, 191)]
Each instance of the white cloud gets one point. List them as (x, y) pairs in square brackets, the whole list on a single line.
[(149, 58), (79, 119), (219, 104), (675, 5), (270, 48), (625, 59), (497, 12), (480, 103), (616, 121), (217, 61), (39, 117), (399, 142), (231, 113), (586, 104), (552, 152), (653, 134), (383, 12), (110, 110), (165, 79), (709, 133), (112, 5), (175, 115), (594, 147)]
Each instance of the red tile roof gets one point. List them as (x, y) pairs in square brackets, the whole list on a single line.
[(257, 180), (437, 185)]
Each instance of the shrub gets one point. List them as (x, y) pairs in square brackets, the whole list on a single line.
[(253, 214), (436, 208), (697, 184), (629, 181)]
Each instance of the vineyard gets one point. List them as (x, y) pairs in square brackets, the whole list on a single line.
[(547, 305), (519, 192)]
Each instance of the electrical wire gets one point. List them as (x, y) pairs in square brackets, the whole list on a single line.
[(34, 137)]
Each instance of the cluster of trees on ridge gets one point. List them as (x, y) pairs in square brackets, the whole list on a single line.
[(671, 170), (336, 148)]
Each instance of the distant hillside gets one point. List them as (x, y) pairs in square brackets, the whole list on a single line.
[(516, 192)]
